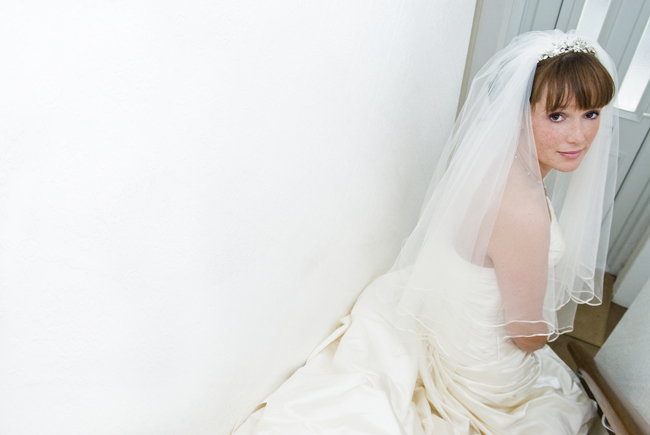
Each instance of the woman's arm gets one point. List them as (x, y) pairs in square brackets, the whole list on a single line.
[(530, 344), (518, 249)]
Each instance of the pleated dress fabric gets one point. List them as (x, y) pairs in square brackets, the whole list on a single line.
[(367, 378)]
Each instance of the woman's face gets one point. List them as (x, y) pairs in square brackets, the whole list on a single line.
[(563, 137)]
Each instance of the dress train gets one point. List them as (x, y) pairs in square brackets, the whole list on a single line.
[(368, 377)]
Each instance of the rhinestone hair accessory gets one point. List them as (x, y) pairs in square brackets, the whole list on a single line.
[(578, 45)]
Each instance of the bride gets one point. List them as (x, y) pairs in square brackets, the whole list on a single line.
[(511, 237)]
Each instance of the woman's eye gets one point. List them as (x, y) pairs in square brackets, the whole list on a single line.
[(592, 115), (555, 117)]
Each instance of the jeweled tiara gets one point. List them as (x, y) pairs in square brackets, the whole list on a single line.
[(578, 45)]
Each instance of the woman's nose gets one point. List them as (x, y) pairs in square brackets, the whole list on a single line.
[(577, 134)]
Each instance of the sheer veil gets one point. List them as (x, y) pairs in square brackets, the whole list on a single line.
[(489, 161)]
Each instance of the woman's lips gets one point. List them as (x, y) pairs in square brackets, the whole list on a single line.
[(571, 155)]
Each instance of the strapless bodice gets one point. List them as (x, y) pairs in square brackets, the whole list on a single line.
[(482, 337)]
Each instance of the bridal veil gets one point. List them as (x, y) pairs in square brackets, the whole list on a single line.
[(491, 158)]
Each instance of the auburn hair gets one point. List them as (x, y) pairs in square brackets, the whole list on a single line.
[(572, 75)]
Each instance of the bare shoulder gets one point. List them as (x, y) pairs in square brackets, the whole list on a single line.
[(522, 215), (520, 221)]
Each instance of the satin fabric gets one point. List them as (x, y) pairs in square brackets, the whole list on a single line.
[(369, 377)]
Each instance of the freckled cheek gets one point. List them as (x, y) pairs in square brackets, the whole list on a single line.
[(548, 142), (591, 137)]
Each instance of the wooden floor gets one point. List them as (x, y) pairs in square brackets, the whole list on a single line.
[(592, 325)]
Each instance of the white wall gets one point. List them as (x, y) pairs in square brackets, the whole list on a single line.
[(626, 353), (192, 193)]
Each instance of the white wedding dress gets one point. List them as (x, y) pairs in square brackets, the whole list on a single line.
[(366, 379)]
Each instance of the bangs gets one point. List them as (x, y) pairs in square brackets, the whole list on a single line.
[(570, 76)]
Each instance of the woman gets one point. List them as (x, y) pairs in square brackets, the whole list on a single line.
[(453, 339)]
